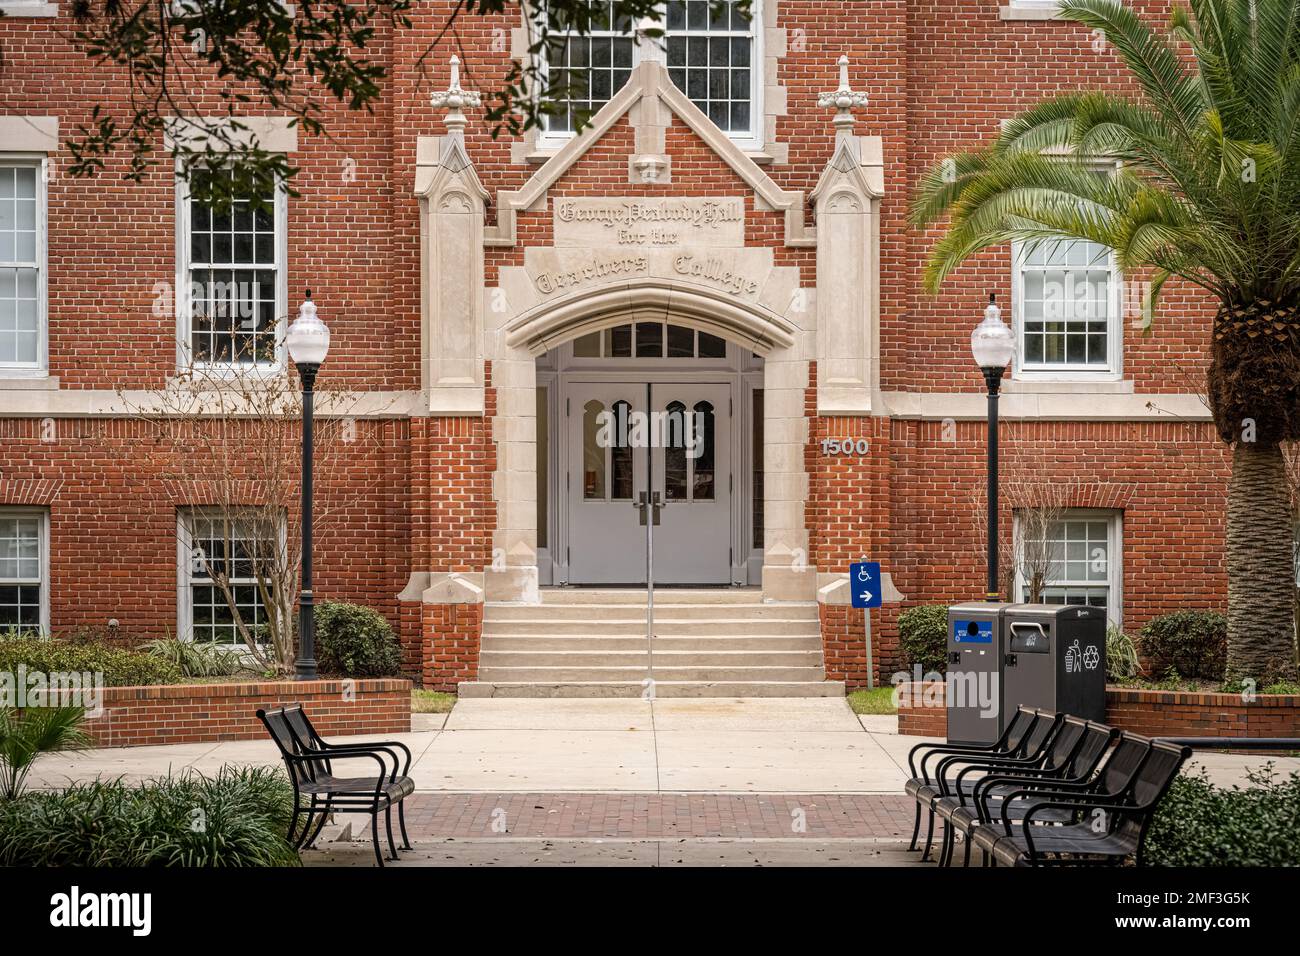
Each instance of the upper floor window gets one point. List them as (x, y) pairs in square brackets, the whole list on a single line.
[(22, 264), (1067, 309), (711, 57), (23, 571), (234, 294)]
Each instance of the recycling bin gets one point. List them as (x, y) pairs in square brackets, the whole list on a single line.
[(1055, 658), (973, 689)]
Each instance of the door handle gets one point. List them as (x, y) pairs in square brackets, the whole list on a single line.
[(654, 503)]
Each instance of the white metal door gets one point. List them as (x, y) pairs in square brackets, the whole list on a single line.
[(691, 469), (606, 541)]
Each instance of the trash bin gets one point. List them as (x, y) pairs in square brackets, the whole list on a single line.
[(973, 691), (1055, 658)]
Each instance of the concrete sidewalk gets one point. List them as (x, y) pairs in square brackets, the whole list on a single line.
[(754, 745)]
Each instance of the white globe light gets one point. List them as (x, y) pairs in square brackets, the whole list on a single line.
[(993, 343), (308, 337)]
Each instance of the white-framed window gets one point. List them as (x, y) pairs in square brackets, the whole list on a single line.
[(216, 546), (232, 288), (1084, 549), (24, 571), (23, 312), (714, 60), (1067, 310)]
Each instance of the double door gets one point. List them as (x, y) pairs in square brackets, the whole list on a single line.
[(627, 439)]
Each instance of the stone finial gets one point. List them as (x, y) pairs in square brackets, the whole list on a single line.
[(649, 48), (844, 100), (453, 99)]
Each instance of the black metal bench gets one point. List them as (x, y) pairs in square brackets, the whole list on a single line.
[(1072, 759), (309, 759), (1069, 828), (1027, 736)]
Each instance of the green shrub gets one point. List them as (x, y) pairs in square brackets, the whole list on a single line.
[(237, 818), (1198, 824), (1193, 643), (28, 733), (195, 659), (923, 634), (354, 641), (120, 667), (1122, 662)]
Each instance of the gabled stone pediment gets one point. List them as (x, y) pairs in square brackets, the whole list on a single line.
[(650, 100)]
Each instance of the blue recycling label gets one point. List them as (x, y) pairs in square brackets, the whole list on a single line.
[(972, 632)]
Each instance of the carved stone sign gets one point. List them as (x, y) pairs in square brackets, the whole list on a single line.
[(646, 221), (554, 273)]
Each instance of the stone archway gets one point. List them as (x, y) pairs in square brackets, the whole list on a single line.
[(513, 340)]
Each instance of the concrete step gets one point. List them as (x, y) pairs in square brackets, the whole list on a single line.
[(662, 688), (545, 675), (641, 659), (600, 643), (633, 625), (638, 595), (663, 611)]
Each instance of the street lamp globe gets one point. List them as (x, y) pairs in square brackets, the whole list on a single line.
[(308, 338), (993, 343)]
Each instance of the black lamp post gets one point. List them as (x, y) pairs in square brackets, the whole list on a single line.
[(308, 341), (993, 345)]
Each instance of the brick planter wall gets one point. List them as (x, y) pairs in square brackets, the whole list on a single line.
[(199, 713), (1162, 713), (1153, 713)]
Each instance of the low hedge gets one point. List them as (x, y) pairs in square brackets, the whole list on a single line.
[(1192, 643), (923, 634), (354, 641), (1198, 824), (121, 667), (237, 818)]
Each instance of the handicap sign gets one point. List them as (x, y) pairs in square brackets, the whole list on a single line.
[(864, 580)]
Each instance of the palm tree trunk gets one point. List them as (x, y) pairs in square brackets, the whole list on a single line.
[(1261, 586)]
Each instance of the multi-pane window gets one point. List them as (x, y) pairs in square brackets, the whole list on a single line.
[(711, 57), (1066, 307), (1083, 561), (227, 550), (22, 571), (234, 300), (590, 68), (22, 260), (650, 340)]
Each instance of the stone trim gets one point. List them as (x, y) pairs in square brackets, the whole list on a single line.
[(1045, 406), (649, 81), (1020, 12), (29, 134), (274, 134), (13, 11)]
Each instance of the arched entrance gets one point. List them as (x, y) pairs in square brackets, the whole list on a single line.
[(649, 387)]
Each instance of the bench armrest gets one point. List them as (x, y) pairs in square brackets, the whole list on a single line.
[(378, 745), (373, 755)]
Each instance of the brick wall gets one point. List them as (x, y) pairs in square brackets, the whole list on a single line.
[(941, 74), (200, 713), (1152, 713)]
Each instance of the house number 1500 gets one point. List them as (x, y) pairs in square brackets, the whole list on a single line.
[(845, 446)]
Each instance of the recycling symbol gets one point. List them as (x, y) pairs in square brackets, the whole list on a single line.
[(1091, 657)]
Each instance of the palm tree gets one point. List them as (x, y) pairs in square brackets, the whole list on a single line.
[(26, 734), (1207, 190)]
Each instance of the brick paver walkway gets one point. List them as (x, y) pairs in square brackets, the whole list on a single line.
[(658, 815)]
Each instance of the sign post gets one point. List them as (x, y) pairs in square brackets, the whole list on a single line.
[(867, 590)]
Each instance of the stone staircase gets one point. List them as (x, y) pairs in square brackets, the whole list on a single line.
[(708, 643)]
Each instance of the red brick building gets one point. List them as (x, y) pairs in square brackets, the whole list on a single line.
[(717, 243)]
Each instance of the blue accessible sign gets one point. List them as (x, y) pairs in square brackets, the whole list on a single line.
[(865, 583)]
